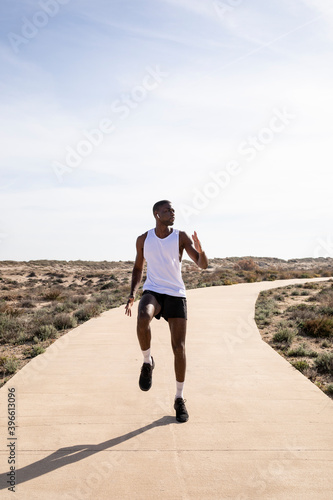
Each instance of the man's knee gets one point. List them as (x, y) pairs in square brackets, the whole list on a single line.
[(178, 348), (144, 318)]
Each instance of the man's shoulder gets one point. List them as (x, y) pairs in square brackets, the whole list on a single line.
[(183, 236), (141, 239)]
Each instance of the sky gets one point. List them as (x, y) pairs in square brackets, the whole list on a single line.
[(222, 107)]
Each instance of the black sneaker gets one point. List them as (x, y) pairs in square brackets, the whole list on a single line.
[(181, 412), (146, 376)]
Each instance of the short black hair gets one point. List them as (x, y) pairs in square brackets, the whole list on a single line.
[(158, 204)]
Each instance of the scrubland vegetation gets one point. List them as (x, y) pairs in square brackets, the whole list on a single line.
[(297, 321), (42, 300)]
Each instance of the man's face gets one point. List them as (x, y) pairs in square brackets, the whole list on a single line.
[(166, 214)]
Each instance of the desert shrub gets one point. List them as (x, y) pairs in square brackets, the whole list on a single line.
[(111, 284), (325, 298), (326, 310), (108, 300), (34, 351), (329, 389), (325, 295), (10, 310), (74, 287), (302, 312), (311, 286), (21, 338), (10, 328), (262, 319), (324, 362), (62, 321), (47, 331), (251, 278), (87, 311), (284, 335), (78, 299), (301, 365), (11, 295), (108, 278), (3, 360), (8, 365), (271, 276), (265, 309), (27, 304), (302, 351), (55, 274), (67, 306), (43, 316), (246, 265), (318, 327), (52, 294), (11, 365)]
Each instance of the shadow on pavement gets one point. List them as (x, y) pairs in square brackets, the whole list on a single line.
[(66, 456)]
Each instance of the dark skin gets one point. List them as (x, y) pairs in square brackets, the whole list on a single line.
[(148, 306)]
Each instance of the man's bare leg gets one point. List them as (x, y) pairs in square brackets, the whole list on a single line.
[(178, 335), (148, 307)]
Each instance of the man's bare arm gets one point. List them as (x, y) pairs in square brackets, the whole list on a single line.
[(194, 250), (137, 273)]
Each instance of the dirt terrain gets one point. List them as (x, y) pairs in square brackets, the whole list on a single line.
[(41, 300), (297, 321)]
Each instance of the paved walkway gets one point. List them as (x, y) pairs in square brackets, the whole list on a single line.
[(258, 429)]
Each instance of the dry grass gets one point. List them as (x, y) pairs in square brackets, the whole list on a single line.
[(41, 300), (297, 321)]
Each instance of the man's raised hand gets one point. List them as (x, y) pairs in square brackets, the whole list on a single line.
[(197, 244)]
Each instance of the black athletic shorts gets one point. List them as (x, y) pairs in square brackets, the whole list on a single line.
[(171, 307)]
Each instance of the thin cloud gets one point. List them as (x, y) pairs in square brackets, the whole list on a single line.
[(197, 7), (226, 74)]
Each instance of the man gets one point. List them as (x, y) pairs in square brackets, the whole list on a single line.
[(164, 293)]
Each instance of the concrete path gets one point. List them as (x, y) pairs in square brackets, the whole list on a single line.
[(258, 428)]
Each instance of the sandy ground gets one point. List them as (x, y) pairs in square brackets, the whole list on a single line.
[(315, 345)]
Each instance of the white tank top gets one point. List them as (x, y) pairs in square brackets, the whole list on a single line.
[(163, 266)]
